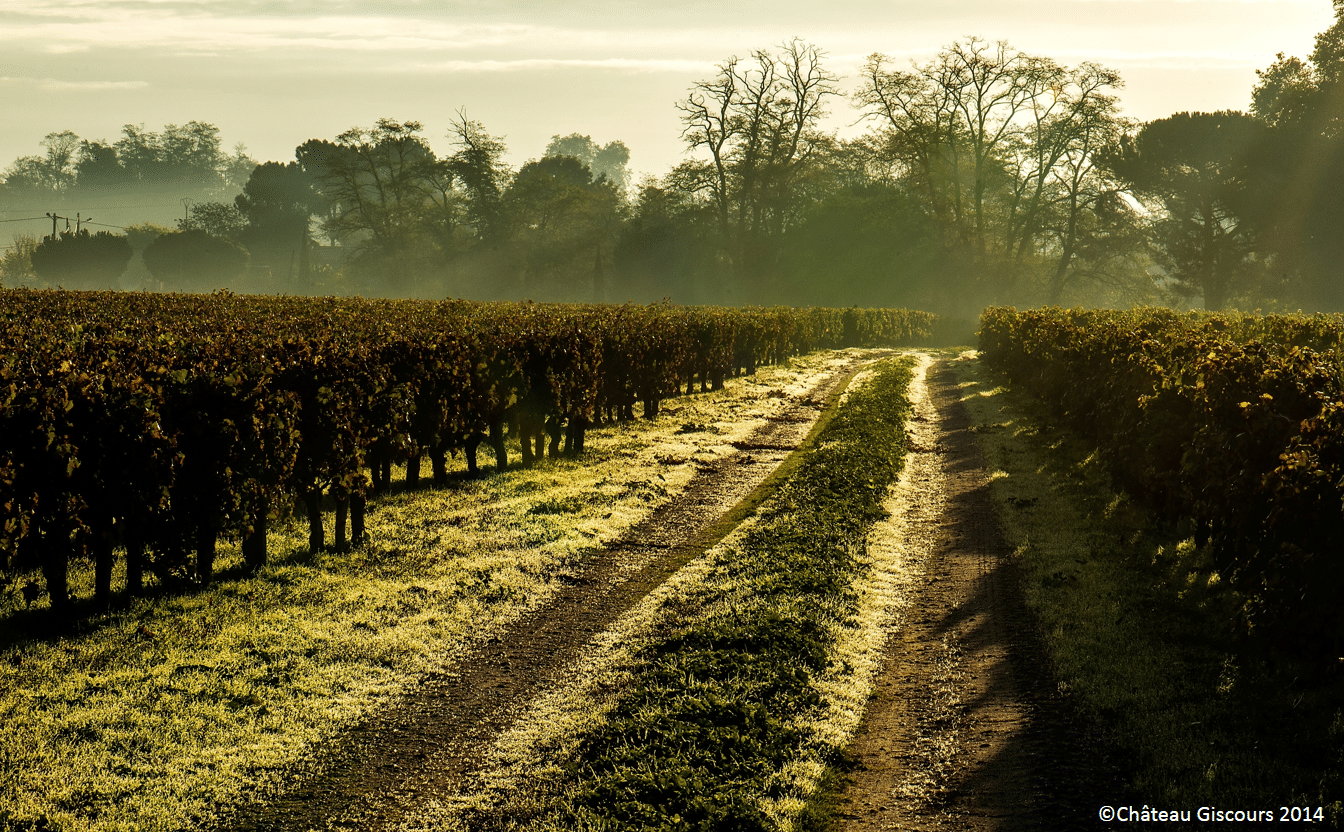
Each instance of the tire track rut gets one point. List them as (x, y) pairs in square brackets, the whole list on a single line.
[(966, 729)]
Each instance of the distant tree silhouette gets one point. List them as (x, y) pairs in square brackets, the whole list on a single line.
[(80, 260), (1195, 169), (388, 187), (97, 168), (194, 261), (1298, 211), (50, 174), (1001, 147), (16, 264), (278, 202), (610, 160), (218, 219), (186, 156), (559, 216), (480, 172)]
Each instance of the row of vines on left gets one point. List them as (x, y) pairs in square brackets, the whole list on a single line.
[(158, 424)]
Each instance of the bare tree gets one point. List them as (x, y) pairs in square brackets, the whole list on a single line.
[(481, 173), (955, 122), (1001, 146), (758, 124), (1091, 216)]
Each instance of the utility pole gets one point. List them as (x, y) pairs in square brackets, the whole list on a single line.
[(53, 223)]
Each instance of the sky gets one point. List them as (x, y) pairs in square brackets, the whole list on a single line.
[(271, 74)]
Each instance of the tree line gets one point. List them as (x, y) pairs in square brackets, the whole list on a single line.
[(986, 175)]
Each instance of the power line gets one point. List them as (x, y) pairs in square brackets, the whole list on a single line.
[(104, 207), (85, 222)]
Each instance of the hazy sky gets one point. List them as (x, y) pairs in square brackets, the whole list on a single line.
[(273, 73)]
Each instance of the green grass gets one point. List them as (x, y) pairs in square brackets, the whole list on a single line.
[(712, 706), (1136, 622), (166, 711)]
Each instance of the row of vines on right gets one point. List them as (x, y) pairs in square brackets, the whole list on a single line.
[(1232, 423)]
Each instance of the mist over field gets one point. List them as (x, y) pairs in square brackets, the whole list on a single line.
[(980, 173)]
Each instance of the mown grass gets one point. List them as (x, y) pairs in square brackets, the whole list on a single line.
[(715, 715), (173, 707), (1136, 621)]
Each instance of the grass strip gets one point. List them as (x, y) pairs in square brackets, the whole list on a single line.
[(1135, 620), (747, 506), (713, 722)]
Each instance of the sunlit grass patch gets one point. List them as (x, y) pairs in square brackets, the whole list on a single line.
[(167, 711)]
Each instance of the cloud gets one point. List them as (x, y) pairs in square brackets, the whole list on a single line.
[(171, 26), (395, 27), (54, 85), (525, 64), (1170, 59)]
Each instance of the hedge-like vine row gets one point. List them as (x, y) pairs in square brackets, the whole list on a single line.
[(1232, 423), (158, 423)]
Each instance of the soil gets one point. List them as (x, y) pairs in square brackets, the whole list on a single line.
[(967, 729), (433, 741)]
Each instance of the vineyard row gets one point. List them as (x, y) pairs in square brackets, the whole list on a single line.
[(1233, 424), (159, 423)]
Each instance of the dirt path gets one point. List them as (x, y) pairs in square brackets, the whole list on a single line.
[(966, 730), (434, 740)]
